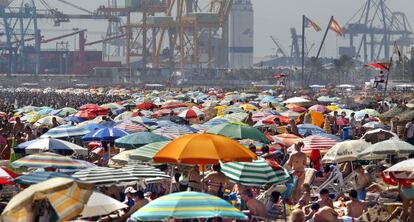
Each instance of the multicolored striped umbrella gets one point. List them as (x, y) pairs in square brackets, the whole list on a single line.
[(254, 174), (131, 127), (46, 160), (239, 131), (187, 205), (66, 196), (147, 152), (175, 131), (137, 140), (316, 143), (65, 131), (37, 177)]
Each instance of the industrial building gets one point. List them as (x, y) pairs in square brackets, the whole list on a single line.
[(241, 34)]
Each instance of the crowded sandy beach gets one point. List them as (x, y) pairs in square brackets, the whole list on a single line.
[(127, 154)]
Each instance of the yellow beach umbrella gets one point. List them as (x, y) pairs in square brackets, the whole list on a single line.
[(249, 107), (66, 196), (203, 149)]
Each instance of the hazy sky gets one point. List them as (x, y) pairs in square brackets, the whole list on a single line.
[(275, 17)]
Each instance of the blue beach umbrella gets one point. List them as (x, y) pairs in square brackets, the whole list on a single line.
[(104, 134)]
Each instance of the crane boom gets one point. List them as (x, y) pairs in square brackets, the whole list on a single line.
[(63, 36), (279, 47), (105, 40)]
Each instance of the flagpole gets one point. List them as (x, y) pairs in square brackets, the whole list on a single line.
[(386, 81), (324, 37), (303, 50)]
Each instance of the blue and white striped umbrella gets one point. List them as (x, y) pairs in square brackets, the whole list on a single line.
[(49, 144), (104, 134), (37, 177), (176, 131), (65, 131)]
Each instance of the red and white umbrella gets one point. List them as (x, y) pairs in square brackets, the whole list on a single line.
[(7, 176), (194, 112), (316, 142), (318, 108)]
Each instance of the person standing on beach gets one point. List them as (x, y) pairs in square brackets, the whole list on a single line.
[(297, 162)]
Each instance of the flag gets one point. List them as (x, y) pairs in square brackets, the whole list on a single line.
[(334, 26), (379, 65), (397, 52), (311, 24)]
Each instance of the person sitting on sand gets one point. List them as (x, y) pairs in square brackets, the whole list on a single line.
[(355, 208), (325, 200), (326, 214), (255, 207)]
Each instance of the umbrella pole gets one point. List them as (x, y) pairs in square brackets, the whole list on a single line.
[(172, 177)]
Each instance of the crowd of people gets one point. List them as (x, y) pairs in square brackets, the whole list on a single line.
[(302, 202)]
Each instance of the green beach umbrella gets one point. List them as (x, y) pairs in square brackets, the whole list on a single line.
[(187, 205), (254, 174), (238, 131), (136, 140), (147, 152)]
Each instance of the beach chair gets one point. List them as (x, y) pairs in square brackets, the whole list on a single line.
[(335, 183), (310, 174)]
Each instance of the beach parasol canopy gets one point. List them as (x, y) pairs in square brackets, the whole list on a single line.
[(254, 174), (131, 127), (316, 142), (47, 121), (374, 125), (64, 111), (318, 108), (67, 198), (174, 131), (192, 113), (378, 135), (402, 170), (50, 144), (187, 205), (290, 114), (104, 176), (296, 100), (104, 134), (288, 139), (203, 149), (100, 204), (239, 131), (387, 147), (136, 140), (38, 177), (345, 151), (65, 131), (7, 176), (314, 130), (147, 152), (46, 160)]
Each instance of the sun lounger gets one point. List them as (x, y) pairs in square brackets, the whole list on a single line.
[(335, 183)]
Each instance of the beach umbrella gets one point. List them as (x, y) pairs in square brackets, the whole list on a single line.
[(47, 121), (403, 170), (254, 174), (131, 127), (345, 151), (233, 109), (125, 115), (75, 119), (104, 134), (38, 177), (239, 131), (51, 144), (374, 125), (175, 131), (249, 107), (64, 131), (290, 114), (296, 108), (315, 130), (191, 113), (370, 112), (136, 140), (203, 149), (120, 159), (104, 176), (147, 152), (187, 205), (28, 109), (45, 110), (145, 172), (387, 147), (316, 142), (296, 100), (143, 120), (66, 196), (288, 139), (146, 106), (173, 105), (7, 176), (100, 204), (174, 119), (47, 160), (234, 117), (318, 108), (210, 123), (112, 106), (86, 114), (64, 111), (378, 135)]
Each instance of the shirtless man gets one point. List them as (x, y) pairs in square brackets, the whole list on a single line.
[(139, 201), (216, 181), (362, 180), (326, 214), (297, 162), (256, 207), (194, 179), (355, 208), (17, 127), (325, 200)]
